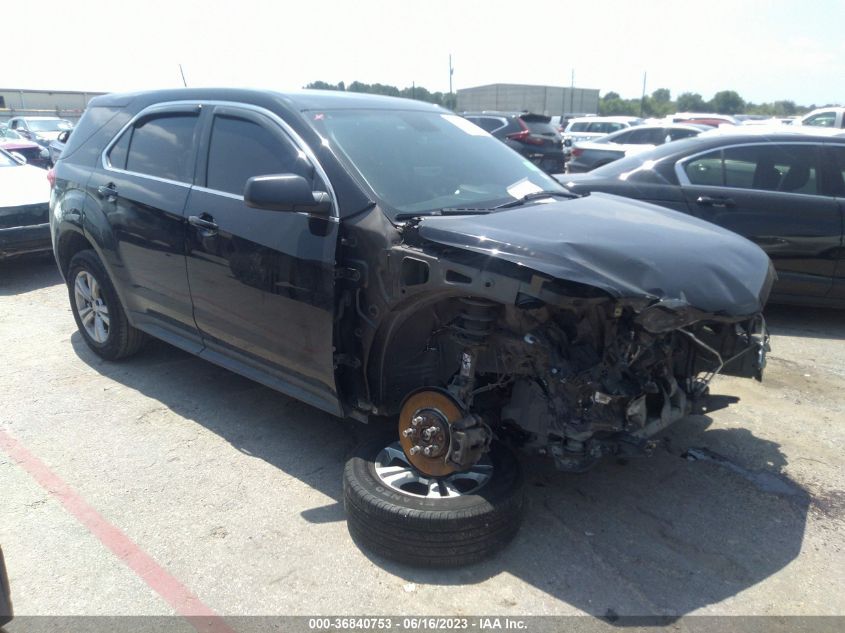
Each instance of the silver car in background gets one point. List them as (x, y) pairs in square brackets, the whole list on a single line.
[(587, 155)]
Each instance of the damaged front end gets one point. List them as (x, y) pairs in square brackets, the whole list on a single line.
[(607, 380), (579, 382)]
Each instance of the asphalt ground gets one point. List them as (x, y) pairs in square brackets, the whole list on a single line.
[(165, 485)]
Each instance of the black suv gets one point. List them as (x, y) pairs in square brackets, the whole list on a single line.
[(532, 135), (379, 257)]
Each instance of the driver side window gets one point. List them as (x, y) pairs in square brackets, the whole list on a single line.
[(240, 149)]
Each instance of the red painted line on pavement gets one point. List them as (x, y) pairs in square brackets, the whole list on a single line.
[(177, 595)]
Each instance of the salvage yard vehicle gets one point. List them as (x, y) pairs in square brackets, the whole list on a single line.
[(384, 258), (14, 143), (40, 129), (24, 204), (780, 188)]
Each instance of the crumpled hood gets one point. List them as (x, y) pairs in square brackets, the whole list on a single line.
[(625, 247)]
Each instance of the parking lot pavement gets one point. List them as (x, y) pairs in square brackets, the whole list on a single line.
[(234, 491)]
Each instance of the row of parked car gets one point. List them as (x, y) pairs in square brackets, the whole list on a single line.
[(37, 139), (579, 144)]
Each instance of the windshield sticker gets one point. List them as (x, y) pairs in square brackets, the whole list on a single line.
[(461, 123), (522, 188)]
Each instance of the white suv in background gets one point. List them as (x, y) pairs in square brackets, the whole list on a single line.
[(593, 127), (832, 117)]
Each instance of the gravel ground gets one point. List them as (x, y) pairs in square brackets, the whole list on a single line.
[(235, 491)]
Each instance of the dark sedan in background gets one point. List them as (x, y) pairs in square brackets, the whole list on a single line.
[(532, 135), (784, 192)]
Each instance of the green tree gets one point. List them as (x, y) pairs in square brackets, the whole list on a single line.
[(727, 102), (690, 102), (661, 95)]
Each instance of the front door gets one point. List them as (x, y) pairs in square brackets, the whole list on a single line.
[(772, 194), (262, 282)]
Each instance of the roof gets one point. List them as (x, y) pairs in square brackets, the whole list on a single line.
[(299, 100)]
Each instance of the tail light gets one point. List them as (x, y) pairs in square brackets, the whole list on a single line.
[(577, 151), (522, 136), (51, 177), (525, 137)]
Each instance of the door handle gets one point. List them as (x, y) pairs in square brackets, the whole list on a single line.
[(717, 201), (204, 222), (109, 192)]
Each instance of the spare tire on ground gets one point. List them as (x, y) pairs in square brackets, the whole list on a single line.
[(397, 512)]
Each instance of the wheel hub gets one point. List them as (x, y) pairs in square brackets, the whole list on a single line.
[(424, 430)]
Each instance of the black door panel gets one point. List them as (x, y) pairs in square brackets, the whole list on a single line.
[(149, 239), (773, 195), (262, 282)]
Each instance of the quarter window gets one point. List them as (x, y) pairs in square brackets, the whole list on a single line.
[(163, 146), (240, 149), (117, 153)]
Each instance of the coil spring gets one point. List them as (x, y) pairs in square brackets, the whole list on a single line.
[(476, 320)]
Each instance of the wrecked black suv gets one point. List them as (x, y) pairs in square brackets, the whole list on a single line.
[(384, 258)]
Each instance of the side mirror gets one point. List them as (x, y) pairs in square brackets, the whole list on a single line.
[(285, 192)]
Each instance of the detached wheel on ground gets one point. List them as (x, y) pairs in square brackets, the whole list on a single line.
[(97, 310), (397, 512)]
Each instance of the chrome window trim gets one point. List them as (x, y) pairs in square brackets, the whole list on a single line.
[(234, 196), (684, 181), (166, 106)]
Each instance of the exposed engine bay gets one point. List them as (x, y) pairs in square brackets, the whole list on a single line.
[(575, 384)]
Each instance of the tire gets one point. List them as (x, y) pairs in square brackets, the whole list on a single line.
[(115, 340), (432, 532)]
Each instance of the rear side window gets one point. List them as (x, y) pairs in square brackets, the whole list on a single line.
[(487, 123), (540, 127), (706, 169), (822, 119), (770, 167), (162, 146), (240, 149), (580, 126), (674, 134), (605, 127)]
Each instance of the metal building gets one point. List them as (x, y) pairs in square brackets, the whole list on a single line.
[(550, 100), (67, 104)]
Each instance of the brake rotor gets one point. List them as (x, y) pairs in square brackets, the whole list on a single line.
[(424, 432)]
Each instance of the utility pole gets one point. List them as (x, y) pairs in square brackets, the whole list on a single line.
[(182, 72), (451, 72), (642, 99), (413, 90), (572, 93)]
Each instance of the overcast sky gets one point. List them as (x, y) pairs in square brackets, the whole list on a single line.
[(764, 49)]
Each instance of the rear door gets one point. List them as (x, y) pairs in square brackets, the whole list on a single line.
[(772, 194), (141, 187), (262, 282)]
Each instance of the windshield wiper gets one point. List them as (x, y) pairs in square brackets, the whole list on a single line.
[(445, 211), (536, 195)]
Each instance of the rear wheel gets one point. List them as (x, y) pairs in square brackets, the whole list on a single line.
[(97, 310), (398, 512)]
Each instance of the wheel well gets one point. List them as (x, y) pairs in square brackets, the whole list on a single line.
[(69, 245), (404, 359)]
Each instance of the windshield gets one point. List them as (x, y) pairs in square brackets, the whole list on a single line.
[(418, 162), (6, 159), (48, 125)]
